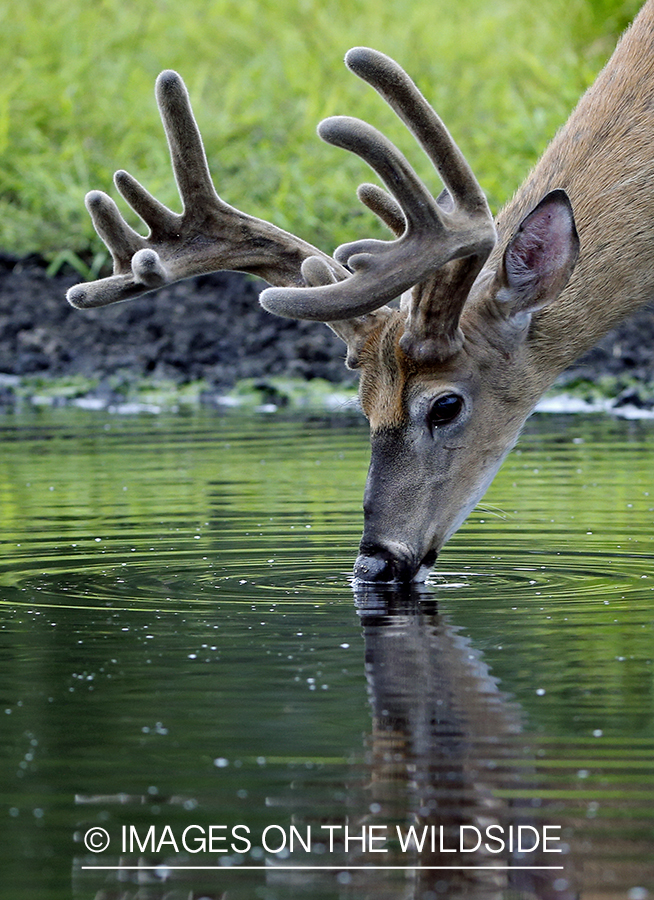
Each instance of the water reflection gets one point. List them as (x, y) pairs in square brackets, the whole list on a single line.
[(180, 644), (446, 742), (450, 758)]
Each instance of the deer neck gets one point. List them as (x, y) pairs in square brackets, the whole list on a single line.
[(604, 158)]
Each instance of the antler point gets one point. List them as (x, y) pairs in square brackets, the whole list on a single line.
[(94, 200), (331, 126), (168, 76), (76, 296), (168, 82), (148, 268), (359, 57)]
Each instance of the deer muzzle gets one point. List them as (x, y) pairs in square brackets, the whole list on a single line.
[(398, 544)]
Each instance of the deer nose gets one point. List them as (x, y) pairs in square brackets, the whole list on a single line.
[(384, 564)]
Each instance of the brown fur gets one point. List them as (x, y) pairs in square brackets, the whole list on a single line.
[(604, 159), (384, 373)]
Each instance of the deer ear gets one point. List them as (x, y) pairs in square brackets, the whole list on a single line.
[(540, 257)]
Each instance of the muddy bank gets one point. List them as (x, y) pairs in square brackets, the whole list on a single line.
[(212, 328)]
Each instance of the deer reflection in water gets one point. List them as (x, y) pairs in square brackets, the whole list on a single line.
[(449, 751), (446, 747)]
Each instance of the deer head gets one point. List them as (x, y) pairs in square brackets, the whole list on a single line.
[(448, 376), (446, 383)]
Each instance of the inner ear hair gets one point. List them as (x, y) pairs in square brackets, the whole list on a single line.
[(541, 256)]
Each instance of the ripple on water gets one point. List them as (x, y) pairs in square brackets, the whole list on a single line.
[(166, 577), (176, 593)]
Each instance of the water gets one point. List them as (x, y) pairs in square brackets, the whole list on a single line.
[(183, 658)]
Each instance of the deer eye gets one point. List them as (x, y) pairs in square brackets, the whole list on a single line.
[(444, 409)]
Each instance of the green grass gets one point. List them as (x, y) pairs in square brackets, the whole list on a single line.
[(76, 99)]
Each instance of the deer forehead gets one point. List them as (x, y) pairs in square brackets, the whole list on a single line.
[(392, 384)]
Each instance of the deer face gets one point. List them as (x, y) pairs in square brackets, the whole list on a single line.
[(438, 438), (440, 429)]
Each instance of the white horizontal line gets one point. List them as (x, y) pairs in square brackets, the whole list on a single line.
[(313, 868)]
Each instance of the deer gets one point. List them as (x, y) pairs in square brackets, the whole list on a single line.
[(458, 323)]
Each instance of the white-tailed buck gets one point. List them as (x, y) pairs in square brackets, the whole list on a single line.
[(490, 312)]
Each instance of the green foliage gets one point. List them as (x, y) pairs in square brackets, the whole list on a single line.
[(608, 17), (76, 99)]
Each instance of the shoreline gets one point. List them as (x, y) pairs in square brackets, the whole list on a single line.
[(208, 342), (286, 395)]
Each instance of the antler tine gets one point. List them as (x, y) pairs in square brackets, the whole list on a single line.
[(393, 84), (209, 235), (358, 137), (384, 207), (187, 154), (122, 241), (136, 272), (161, 221), (382, 270), (435, 233), (125, 245)]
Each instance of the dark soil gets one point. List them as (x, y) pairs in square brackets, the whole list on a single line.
[(212, 328)]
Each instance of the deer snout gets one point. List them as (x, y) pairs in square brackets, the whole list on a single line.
[(376, 567), (391, 563)]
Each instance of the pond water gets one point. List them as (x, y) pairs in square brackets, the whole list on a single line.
[(186, 667)]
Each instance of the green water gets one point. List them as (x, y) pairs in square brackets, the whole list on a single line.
[(181, 650)]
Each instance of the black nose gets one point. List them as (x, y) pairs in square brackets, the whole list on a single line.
[(381, 564)]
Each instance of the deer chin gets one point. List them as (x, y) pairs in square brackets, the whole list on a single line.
[(425, 567)]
